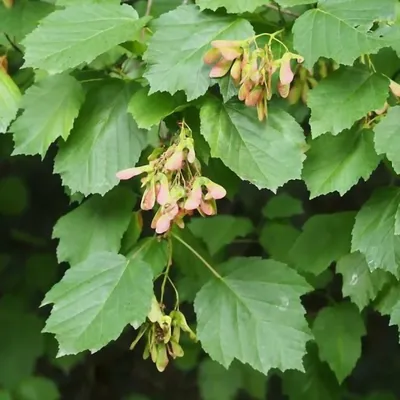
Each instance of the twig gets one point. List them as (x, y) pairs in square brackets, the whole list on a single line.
[(13, 45), (187, 245), (283, 11), (148, 8)]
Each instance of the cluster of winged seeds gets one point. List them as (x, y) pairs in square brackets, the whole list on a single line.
[(252, 68), (162, 335), (174, 184)]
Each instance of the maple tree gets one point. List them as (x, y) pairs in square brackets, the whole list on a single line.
[(193, 141)]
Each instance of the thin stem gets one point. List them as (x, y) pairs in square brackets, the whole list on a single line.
[(282, 10), (166, 272), (271, 38), (148, 8), (176, 293), (214, 272)]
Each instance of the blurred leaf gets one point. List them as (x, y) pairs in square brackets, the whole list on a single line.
[(316, 383), (41, 271), (283, 205), (338, 331), (21, 343), (23, 17), (37, 388), (325, 238), (277, 239), (158, 7), (133, 232), (5, 395), (220, 230), (14, 197), (218, 383), (98, 224)]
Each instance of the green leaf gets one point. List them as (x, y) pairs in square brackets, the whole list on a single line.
[(5, 395), (158, 6), (104, 140), (268, 153), (388, 297), (41, 271), (253, 382), (183, 36), (337, 163), (373, 232), (325, 239), (150, 110), (316, 383), (109, 291), (219, 231), (349, 94), (292, 3), (277, 239), (69, 3), (14, 199), (78, 34), (283, 205), (96, 225), (217, 383), (23, 18), (37, 388), (338, 331), (9, 100), (50, 108), (21, 344), (133, 232), (387, 137), (153, 252), (359, 283), (227, 87), (232, 6), (231, 315), (329, 31)]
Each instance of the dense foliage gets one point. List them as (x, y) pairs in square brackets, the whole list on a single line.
[(221, 183)]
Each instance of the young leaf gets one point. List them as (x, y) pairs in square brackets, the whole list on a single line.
[(336, 163), (232, 6), (359, 283), (50, 108), (96, 225), (21, 344), (23, 18), (148, 110), (349, 94), (387, 137), (216, 382), (231, 315), (9, 100), (78, 34), (37, 387), (277, 239), (338, 331), (329, 31), (220, 230), (183, 36), (103, 131), (283, 206), (373, 232), (325, 239), (109, 291), (268, 153), (316, 383)]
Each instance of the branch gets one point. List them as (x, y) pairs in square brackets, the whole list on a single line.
[(283, 11)]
